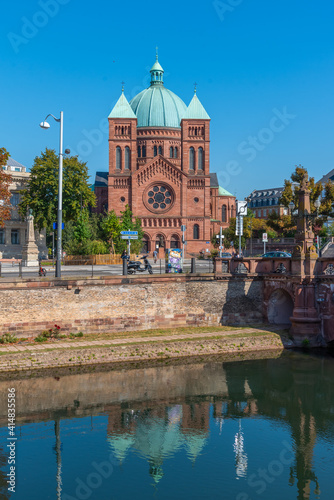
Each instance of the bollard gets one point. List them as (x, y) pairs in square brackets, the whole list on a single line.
[(125, 267), (20, 269), (0, 269), (160, 266), (193, 265), (92, 268)]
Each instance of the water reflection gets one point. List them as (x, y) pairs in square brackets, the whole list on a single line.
[(236, 430)]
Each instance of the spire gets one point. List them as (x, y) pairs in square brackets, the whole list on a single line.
[(195, 110), (122, 108), (156, 71)]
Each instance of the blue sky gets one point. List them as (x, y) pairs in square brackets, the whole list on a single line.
[(264, 70)]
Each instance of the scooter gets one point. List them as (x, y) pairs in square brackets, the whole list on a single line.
[(134, 266)]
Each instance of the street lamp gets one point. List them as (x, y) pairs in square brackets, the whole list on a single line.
[(46, 125)]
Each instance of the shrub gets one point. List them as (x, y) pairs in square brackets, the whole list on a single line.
[(53, 333), (74, 335), (8, 338)]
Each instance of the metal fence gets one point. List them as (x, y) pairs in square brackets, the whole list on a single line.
[(89, 268)]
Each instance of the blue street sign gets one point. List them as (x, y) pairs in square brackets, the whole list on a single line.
[(55, 224), (129, 233)]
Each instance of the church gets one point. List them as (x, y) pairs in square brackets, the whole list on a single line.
[(159, 165)]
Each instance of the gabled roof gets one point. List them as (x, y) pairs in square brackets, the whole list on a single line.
[(122, 109), (329, 176), (196, 111)]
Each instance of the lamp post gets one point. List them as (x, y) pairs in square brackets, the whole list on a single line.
[(46, 125)]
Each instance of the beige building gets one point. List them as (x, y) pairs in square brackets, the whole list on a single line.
[(13, 235)]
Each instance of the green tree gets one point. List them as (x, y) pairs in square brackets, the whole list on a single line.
[(5, 180), (111, 226), (82, 230), (128, 224), (41, 194)]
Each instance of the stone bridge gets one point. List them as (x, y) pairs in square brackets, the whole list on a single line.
[(298, 291)]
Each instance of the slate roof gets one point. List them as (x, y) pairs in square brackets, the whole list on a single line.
[(101, 179), (214, 180), (326, 177), (13, 163)]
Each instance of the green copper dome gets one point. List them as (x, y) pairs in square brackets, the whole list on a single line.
[(157, 106)]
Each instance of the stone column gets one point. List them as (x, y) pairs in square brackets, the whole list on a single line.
[(30, 249)]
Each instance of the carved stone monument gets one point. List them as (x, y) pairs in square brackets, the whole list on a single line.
[(30, 249)]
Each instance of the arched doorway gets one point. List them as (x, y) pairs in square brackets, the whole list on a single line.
[(160, 241), (280, 308), (175, 241), (146, 244)]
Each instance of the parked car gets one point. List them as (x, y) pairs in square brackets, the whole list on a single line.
[(276, 254)]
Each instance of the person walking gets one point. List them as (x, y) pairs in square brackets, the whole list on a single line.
[(155, 256)]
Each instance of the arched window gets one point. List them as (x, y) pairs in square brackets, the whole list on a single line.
[(160, 150), (200, 158), (139, 151), (118, 158), (175, 152), (155, 151), (171, 152), (196, 232), (143, 152), (191, 159), (127, 158), (175, 241), (224, 213)]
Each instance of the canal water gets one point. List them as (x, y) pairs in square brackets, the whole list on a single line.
[(206, 430)]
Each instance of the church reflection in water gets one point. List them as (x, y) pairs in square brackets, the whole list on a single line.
[(178, 410), (296, 391)]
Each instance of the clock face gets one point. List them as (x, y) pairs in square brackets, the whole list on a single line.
[(159, 197)]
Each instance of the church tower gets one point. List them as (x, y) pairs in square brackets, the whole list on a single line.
[(122, 153)]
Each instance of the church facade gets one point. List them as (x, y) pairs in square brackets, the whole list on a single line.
[(159, 165)]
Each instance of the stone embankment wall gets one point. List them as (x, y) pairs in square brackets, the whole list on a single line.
[(135, 303)]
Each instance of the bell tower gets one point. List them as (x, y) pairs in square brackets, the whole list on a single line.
[(122, 153)]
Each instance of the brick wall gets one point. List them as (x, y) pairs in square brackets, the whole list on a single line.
[(136, 303)]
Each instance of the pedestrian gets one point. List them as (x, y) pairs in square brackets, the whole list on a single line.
[(155, 256), (124, 255)]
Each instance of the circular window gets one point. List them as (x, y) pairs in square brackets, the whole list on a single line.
[(158, 197), (196, 200), (122, 199)]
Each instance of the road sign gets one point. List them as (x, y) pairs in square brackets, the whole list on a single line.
[(264, 237), (129, 233), (55, 225), (241, 207), (183, 228), (129, 237)]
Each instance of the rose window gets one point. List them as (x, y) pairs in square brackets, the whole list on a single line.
[(159, 197)]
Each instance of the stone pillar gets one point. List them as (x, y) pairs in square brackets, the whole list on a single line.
[(306, 323), (30, 249)]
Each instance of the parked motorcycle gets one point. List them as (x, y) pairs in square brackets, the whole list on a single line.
[(134, 266)]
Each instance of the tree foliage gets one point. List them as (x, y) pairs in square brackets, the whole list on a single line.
[(292, 189), (5, 180), (41, 194), (252, 227), (113, 226)]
